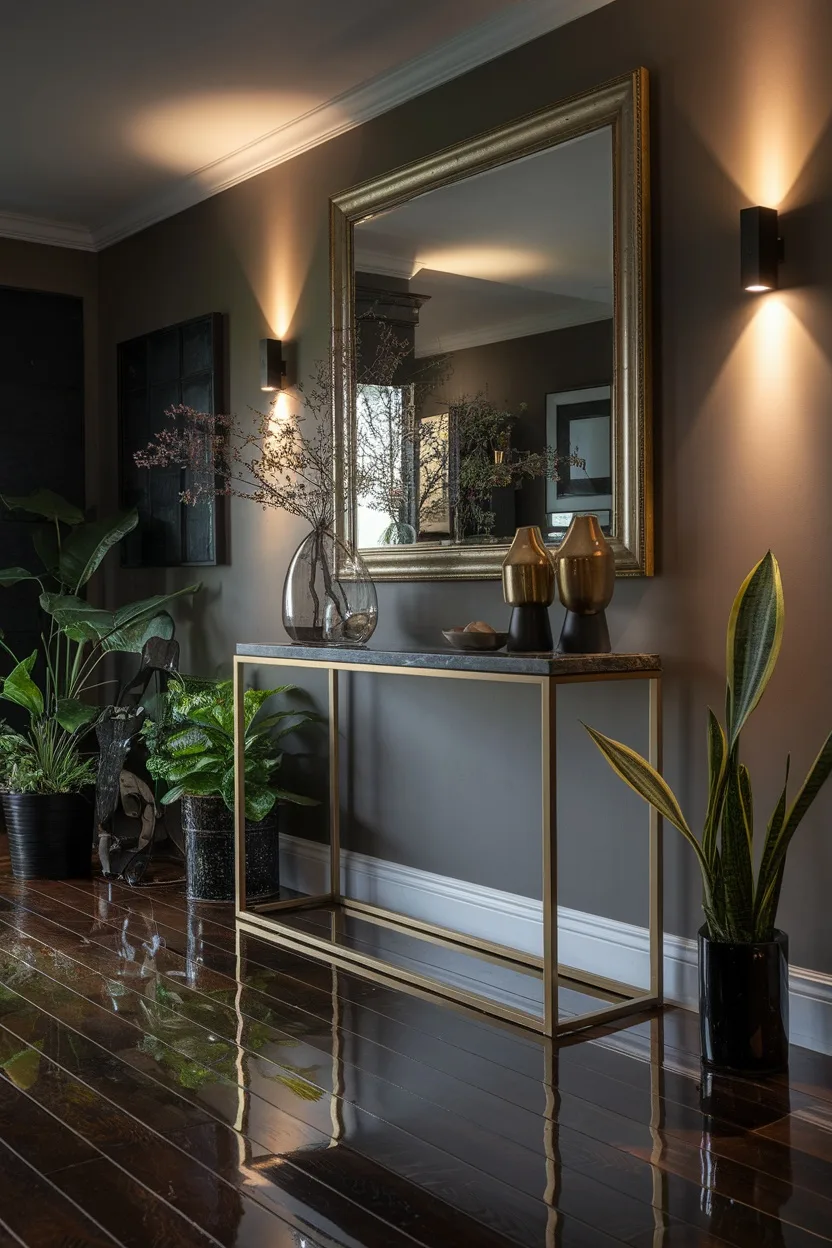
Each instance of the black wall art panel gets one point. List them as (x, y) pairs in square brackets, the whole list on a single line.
[(179, 364)]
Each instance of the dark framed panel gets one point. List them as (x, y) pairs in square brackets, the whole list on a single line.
[(41, 442), (179, 364)]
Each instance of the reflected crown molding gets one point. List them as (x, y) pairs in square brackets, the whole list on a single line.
[(520, 327), (520, 23)]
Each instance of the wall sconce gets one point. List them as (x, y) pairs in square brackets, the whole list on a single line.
[(272, 364), (761, 249)]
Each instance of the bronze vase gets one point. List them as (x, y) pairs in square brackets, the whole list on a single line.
[(586, 578), (529, 588)]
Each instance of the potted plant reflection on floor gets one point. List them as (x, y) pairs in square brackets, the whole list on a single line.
[(45, 772), (743, 957), (190, 1035), (190, 740)]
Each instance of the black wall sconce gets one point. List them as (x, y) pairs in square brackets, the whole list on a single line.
[(761, 249), (272, 364)]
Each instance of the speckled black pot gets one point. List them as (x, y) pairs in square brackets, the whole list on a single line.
[(208, 826), (50, 835)]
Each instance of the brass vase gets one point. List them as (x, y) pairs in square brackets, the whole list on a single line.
[(529, 588), (586, 578)]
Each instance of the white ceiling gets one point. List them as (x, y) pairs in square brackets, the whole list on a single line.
[(119, 114), (518, 250)]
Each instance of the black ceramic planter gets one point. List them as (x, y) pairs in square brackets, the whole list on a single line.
[(50, 835), (208, 826), (744, 1005)]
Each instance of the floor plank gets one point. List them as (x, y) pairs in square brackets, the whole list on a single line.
[(262, 1098)]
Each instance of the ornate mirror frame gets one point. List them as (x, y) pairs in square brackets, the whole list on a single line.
[(623, 105)]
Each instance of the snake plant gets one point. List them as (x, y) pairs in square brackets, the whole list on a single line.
[(739, 908)]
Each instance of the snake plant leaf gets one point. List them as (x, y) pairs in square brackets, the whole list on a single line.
[(747, 800), (643, 779), (737, 876), (18, 687), (45, 503), (13, 576), (762, 915), (768, 886), (73, 714), (755, 633), (714, 906), (85, 547), (717, 759)]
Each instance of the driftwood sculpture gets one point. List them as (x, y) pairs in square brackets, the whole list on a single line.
[(120, 796)]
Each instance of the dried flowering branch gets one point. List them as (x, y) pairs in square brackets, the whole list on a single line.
[(280, 461)]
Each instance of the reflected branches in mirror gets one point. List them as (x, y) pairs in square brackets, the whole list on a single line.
[(426, 475)]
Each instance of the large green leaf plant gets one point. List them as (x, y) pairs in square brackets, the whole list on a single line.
[(190, 741), (739, 908), (76, 638)]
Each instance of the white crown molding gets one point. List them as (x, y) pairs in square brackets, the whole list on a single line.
[(520, 327), (520, 23), (52, 233), (589, 941)]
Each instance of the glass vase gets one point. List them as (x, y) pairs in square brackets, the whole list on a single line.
[(329, 598)]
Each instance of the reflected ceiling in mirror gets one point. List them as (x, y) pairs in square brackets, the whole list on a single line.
[(486, 316), (484, 352)]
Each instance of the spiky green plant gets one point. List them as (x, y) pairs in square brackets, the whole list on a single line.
[(738, 908)]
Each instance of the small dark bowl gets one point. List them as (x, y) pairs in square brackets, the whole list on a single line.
[(460, 640)]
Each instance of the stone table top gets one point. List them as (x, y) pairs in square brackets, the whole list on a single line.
[(492, 662)]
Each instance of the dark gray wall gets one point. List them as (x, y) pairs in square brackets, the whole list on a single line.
[(741, 111)]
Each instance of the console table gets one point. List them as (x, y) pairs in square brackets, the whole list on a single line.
[(284, 923)]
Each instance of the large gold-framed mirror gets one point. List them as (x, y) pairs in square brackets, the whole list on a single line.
[(491, 343)]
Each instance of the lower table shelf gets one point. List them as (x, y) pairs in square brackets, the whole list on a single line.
[(474, 975), (470, 973)]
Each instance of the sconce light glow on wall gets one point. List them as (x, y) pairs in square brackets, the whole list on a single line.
[(272, 364), (761, 249)]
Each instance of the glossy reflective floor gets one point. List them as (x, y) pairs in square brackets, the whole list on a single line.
[(166, 1084)]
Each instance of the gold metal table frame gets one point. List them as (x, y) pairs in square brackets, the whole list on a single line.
[(264, 920)]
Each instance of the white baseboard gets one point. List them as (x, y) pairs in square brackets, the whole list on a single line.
[(589, 941)]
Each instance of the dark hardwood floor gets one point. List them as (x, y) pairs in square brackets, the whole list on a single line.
[(165, 1085)]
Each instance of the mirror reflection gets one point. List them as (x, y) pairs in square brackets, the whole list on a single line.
[(484, 353)]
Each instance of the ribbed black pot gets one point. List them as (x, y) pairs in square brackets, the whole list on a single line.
[(50, 835), (744, 1005), (208, 826)]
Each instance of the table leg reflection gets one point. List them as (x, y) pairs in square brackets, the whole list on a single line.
[(551, 1144), (656, 1125)]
